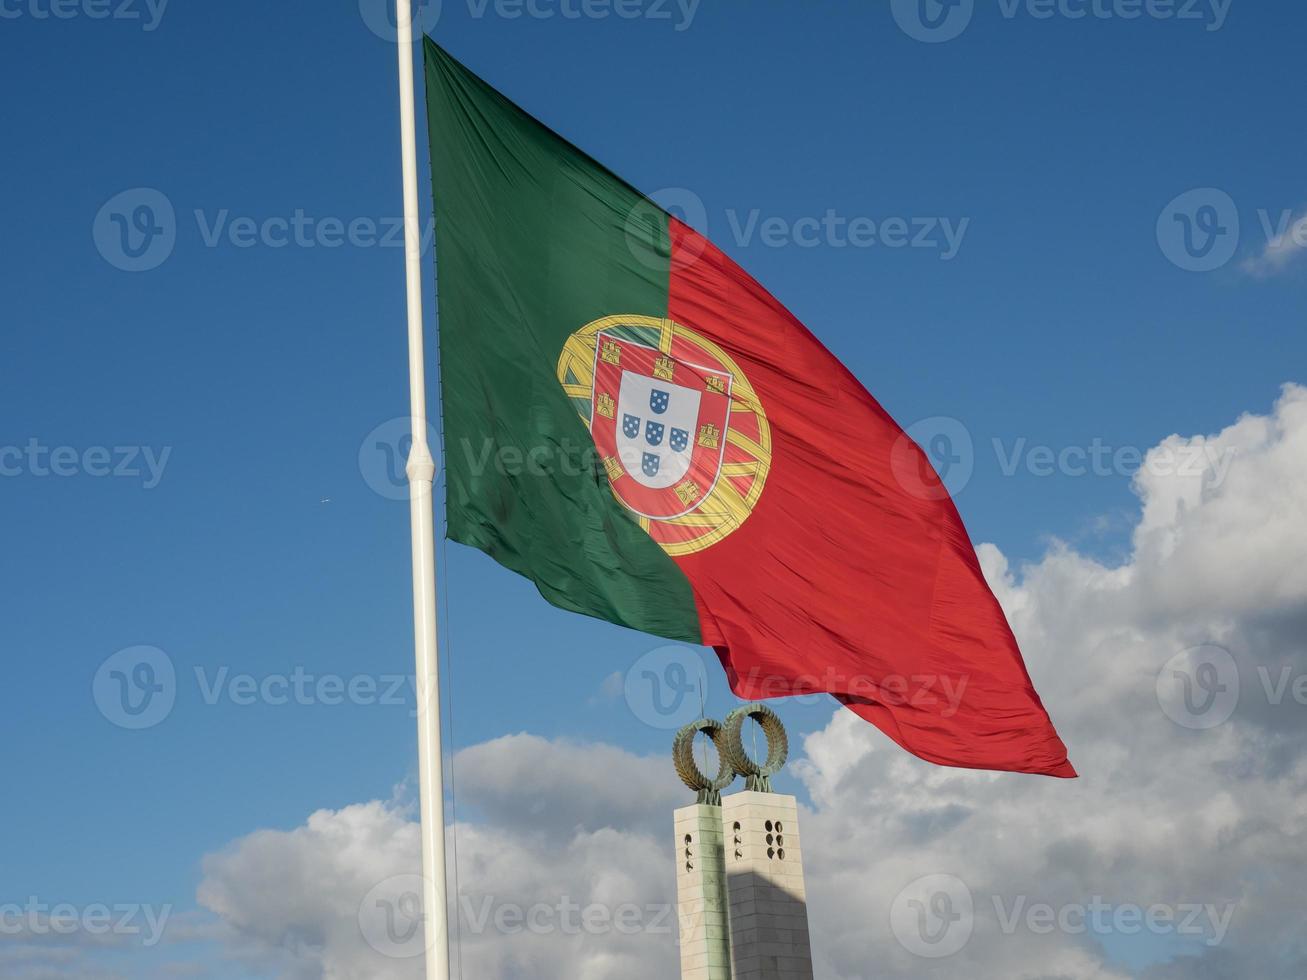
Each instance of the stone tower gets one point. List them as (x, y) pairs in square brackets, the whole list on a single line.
[(740, 893)]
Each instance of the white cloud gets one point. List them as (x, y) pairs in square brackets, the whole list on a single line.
[(611, 689), (1163, 814), (1284, 246), (550, 886), (292, 899), (532, 786)]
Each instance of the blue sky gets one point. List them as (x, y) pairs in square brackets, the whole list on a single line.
[(260, 371)]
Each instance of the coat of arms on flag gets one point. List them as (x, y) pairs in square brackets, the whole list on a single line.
[(683, 439)]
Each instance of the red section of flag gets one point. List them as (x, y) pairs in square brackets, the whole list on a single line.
[(854, 574)]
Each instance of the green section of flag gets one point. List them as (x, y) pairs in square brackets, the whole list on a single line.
[(534, 240)]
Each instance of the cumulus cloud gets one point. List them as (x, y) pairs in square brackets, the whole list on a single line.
[(291, 900), (1178, 854), (532, 786), (1166, 813), (564, 873)]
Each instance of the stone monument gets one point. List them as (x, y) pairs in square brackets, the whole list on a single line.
[(741, 902)]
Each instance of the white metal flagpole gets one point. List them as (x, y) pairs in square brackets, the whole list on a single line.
[(421, 471)]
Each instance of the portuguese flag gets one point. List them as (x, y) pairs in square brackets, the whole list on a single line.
[(636, 425)]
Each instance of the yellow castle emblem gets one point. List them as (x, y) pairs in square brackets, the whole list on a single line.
[(688, 491)]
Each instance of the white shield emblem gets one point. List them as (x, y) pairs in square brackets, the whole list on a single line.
[(655, 419)]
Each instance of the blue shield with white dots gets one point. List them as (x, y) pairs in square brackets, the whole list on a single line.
[(658, 400), (679, 440), (630, 426), (653, 433), (651, 464)]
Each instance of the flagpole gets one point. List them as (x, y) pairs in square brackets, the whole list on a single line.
[(421, 470)]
